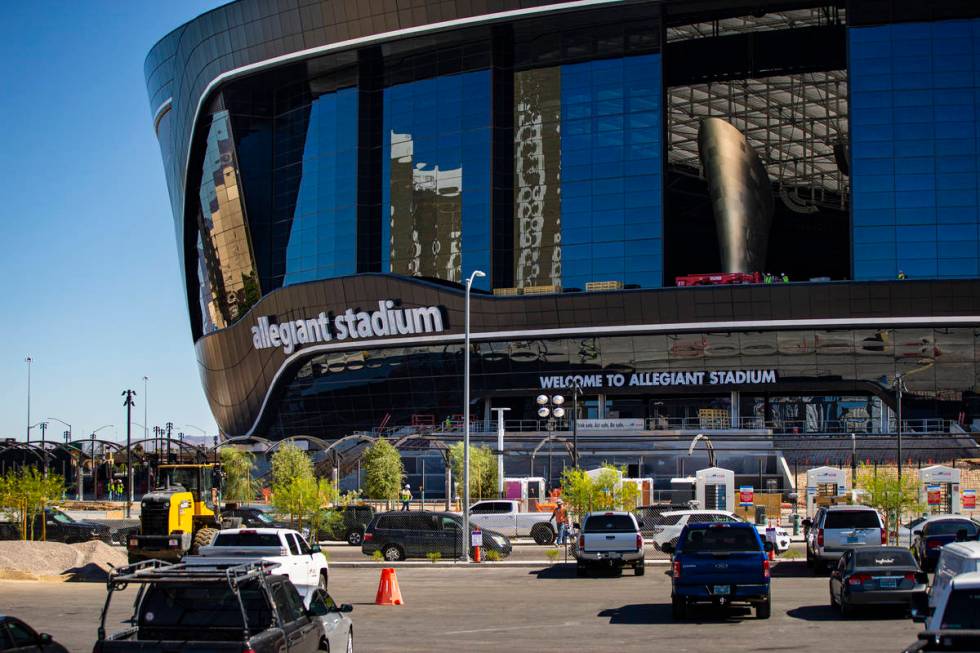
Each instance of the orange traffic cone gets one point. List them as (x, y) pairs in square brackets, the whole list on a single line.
[(388, 591), (772, 553)]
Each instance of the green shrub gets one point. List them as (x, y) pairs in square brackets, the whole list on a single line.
[(433, 556), (553, 555), (492, 555), (377, 556)]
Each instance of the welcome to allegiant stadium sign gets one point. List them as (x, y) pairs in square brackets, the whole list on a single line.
[(648, 379), (388, 320)]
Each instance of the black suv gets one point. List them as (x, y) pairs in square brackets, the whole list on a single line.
[(59, 527), (414, 534), (350, 528)]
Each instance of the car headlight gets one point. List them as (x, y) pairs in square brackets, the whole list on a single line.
[(501, 542)]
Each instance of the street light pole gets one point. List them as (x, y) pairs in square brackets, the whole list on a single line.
[(899, 383), (44, 457), (28, 360), (128, 403), (500, 450), (146, 433), (466, 412), (575, 392), (170, 426)]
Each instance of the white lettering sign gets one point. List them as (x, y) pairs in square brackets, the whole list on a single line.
[(326, 327), (626, 424), (655, 379)]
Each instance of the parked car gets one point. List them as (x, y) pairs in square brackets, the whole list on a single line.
[(611, 539), (337, 626), (721, 564), (15, 635), (877, 576), (954, 559), (953, 624), (668, 526), (413, 534), (506, 517), (239, 608), (349, 527), (835, 529), (930, 538), (253, 517), (58, 527), (303, 564)]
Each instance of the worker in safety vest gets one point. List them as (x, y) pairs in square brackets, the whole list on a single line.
[(561, 521), (406, 496)]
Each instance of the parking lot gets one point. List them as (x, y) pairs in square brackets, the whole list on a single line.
[(533, 609)]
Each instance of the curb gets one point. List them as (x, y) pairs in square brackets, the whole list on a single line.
[(370, 564)]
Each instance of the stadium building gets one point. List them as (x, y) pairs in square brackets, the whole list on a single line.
[(744, 217)]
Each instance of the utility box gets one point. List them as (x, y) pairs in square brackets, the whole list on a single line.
[(714, 489), (939, 489), (823, 483)]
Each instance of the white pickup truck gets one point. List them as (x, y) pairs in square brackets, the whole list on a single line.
[(611, 539), (303, 564), (506, 518)]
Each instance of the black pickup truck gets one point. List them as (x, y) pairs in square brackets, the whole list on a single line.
[(57, 527), (181, 608)]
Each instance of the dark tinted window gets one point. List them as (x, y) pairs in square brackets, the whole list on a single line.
[(720, 539), (896, 558), (304, 548), (950, 527), (285, 603), (668, 520), (610, 524), (408, 522), (293, 546), (247, 539), (203, 606), (961, 611), (21, 635), (852, 519)]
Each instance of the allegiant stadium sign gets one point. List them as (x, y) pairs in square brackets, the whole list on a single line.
[(647, 379), (388, 320)]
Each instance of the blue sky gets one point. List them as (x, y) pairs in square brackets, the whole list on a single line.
[(87, 250)]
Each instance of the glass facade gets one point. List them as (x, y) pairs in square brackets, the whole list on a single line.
[(323, 230), (588, 202), (436, 177), (915, 98), (824, 376)]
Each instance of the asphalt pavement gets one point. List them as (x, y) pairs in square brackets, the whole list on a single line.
[(527, 609)]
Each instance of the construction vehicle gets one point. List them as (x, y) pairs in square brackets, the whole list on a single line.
[(180, 515)]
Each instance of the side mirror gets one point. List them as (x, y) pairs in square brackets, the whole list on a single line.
[(44, 638), (346, 607), (667, 548), (917, 532), (315, 548), (767, 546)]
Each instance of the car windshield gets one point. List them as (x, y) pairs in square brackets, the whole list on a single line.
[(720, 539), (852, 519), (61, 517), (961, 611), (203, 608), (889, 558), (244, 538), (951, 527), (609, 524)]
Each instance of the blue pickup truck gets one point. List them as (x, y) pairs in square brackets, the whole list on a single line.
[(721, 564)]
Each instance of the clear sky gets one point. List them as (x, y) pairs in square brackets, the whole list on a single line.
[(87, 250)]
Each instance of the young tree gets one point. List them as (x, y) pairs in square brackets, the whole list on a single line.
[(893, 497), (239, 485), (290, 462), (295, 490), (383, 471), (483, 471)]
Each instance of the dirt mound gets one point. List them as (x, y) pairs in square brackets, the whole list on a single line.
[(87, 561)]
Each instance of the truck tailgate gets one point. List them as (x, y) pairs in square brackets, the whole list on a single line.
[(734, 568), (609, 542), (212, 551)]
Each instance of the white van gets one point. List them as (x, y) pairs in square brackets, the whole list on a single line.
[(955, 558)]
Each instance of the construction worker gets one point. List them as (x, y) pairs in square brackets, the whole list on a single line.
[(406, 496), (561, 521), (901, 275), (785, 278), (767, 278)]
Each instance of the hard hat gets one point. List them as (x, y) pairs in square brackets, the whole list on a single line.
[(408, 487)]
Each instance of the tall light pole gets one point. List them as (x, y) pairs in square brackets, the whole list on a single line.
[(61, 421), (146, 431), (550, 408), (170, 427), (128, 403), (466, 411), (500, 449), (899, 389), (44, 457), (576, 391), (28, 360)]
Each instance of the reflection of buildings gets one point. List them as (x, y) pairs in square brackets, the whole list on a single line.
[(421, 246), (229, 266)]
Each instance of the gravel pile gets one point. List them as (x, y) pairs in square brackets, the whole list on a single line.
[(86, 561)]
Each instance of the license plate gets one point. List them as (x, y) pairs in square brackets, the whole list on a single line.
[(888, 583), (852, 539), (722, 590), (615, 555)]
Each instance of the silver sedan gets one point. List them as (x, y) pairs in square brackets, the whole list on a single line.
[(338, 629)]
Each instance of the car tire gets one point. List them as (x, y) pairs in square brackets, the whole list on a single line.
[(639, 569), (764, 610), (350, 641), (581, 570), (355, 537), (321, 583), (678, 608), (543, 534), (393, 553)]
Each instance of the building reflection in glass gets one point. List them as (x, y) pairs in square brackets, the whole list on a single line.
[(229, 283)]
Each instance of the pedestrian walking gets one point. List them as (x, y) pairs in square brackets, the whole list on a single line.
[(561, 521), (901, 275), (785, 278), (406, 496)]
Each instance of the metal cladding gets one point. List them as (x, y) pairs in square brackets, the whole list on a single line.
[(741, 196)]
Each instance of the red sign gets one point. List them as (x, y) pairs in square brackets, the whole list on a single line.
[(969, 499), (745, 495), (934, 495)]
